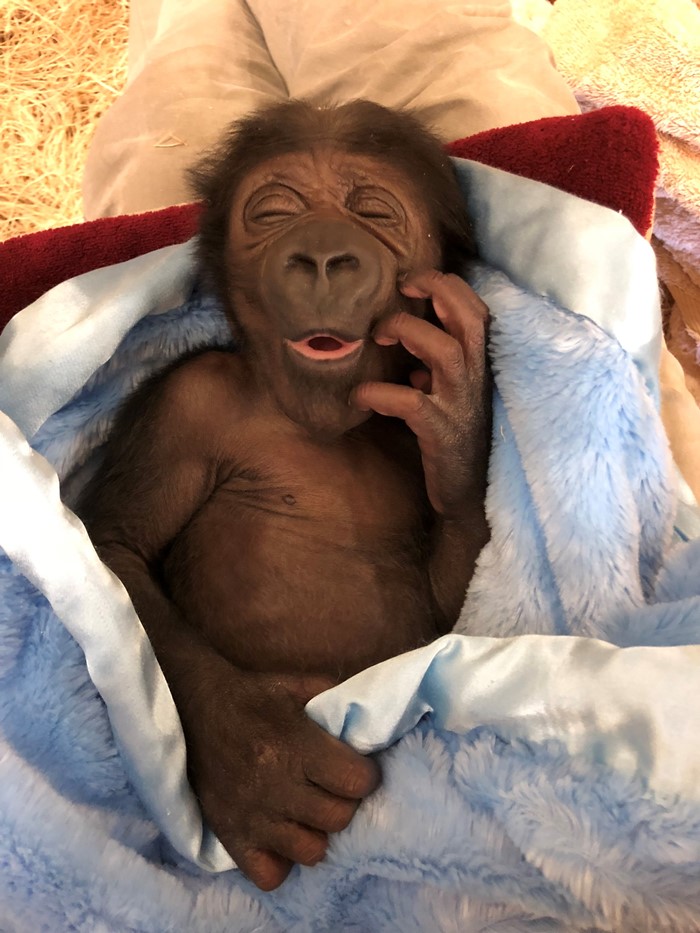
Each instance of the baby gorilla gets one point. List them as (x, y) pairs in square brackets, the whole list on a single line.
[(285, 515)]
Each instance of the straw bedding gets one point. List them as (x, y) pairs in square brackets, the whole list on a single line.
[(62, 62)]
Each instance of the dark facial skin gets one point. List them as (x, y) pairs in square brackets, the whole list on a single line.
[(287, 515), (319, 207)]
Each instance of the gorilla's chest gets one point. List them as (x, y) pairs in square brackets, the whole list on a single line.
[(301, 539)]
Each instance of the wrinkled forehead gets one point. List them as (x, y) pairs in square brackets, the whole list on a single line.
[(326, 171)]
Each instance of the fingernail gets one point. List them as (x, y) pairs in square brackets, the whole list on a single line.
[(412, 292), (385, 341)]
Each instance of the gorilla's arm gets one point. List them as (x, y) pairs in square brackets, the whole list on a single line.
[(155, 474), (448, 408)]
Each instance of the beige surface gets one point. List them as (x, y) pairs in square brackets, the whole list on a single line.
[(467, 67), (645, 54), (681, 418), (648, 55)]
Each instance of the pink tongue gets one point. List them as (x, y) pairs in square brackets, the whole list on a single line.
[(325, 343)]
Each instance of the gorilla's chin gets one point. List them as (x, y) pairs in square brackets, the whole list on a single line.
[(315, 394)]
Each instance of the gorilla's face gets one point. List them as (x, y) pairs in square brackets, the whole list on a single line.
[(317, 244)]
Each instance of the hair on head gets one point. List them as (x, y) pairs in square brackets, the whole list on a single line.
[(360, 126)]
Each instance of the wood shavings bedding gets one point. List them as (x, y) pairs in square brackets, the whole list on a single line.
[(62, 62)]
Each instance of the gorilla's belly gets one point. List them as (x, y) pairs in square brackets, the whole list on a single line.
[(276, 592)]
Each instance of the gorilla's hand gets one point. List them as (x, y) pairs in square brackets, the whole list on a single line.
[(448, 407), (272, 784)]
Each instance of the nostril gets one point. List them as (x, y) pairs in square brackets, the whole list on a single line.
[(302, 262), (345, 262), (309, 264)]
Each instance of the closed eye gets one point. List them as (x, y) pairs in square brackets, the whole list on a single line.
[(379, 208), (271, 206), (270, 216), (375, 215)]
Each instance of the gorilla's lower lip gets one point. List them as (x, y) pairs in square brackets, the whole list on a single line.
[(323, 346)]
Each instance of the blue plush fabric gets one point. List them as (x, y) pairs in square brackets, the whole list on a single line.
[(541, 770)]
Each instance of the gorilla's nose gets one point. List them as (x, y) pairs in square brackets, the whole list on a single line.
[(331, 257), (328, 267), (323, 264)]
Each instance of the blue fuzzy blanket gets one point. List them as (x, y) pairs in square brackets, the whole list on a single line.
[(541, 764)]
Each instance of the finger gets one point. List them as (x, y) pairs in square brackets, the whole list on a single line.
[(298, 843), (456, 304), (339, 769), (445, 287), (320, 810), (411, 405), (265, 869), (441, 352)]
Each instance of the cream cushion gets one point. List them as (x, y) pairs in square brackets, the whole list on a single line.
[(196, 66)]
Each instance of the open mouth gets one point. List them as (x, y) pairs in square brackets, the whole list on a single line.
[(324, 346)]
